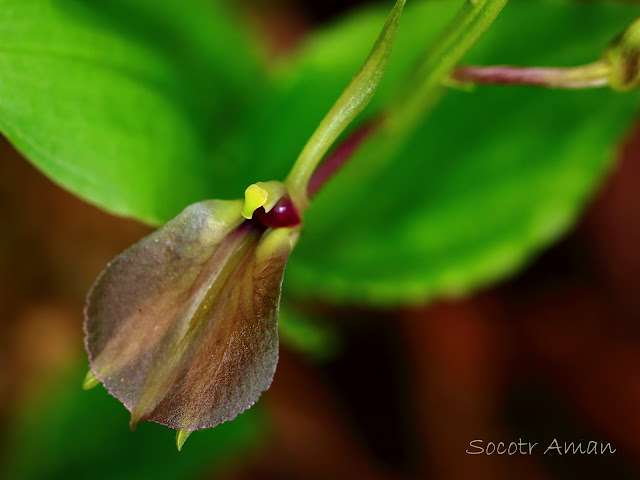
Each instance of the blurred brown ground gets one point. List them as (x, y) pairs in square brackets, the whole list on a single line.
[(554, 352)]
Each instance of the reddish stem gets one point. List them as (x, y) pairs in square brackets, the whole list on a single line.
[(340, 155), (586, 76), (284, 213)]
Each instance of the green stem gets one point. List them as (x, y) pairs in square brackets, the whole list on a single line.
[(624, 57), (352, 101), (471, 21)]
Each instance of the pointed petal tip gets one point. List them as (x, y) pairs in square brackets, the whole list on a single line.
[(136, 418), (90, 381), (181, 437)]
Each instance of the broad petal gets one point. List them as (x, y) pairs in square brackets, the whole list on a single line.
[(182, 326)]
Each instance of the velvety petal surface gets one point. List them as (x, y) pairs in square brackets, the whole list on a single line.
[(182, 326)]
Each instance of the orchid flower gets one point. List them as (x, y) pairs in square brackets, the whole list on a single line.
[(182, 327)]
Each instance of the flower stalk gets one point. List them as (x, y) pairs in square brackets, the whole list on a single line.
[(471, 21), (308, 174), (619, 68), (353, 100), (342, 154), (587, 76)]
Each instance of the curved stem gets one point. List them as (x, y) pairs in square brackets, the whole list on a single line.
[(586, 76), (352, 101), (471, 21), (341, 155)]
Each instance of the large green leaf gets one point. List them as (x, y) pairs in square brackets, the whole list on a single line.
[(488, 179), (127, 104)]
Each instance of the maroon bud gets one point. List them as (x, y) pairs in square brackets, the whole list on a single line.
[(283, 214)]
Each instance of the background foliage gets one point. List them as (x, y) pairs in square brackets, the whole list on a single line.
[(145, 108)]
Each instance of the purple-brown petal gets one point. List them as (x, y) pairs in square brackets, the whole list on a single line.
[(182, 326)]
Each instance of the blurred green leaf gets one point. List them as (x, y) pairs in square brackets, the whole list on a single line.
[(309, 332), (65, 432), (489, 178), (127, 104)]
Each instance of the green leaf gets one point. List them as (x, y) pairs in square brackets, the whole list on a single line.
[(490, 177), (129, 105), (61, 431), (308, 332)]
